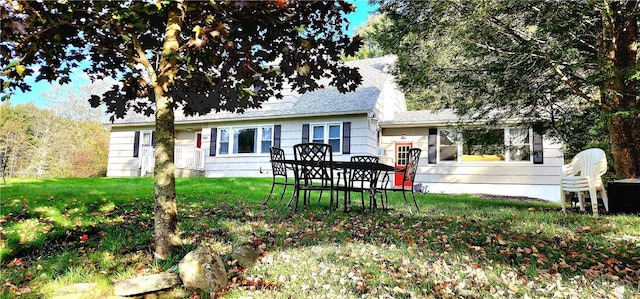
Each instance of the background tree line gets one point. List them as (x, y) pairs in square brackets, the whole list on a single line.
[(65, 140)]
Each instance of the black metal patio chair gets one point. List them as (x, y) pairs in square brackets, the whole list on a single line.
[(313, 171), (280, 173), (359, 180), (408, 178)]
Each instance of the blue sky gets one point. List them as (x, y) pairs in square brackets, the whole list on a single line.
[(363, 10)]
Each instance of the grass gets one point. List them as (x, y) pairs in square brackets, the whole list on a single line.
[(58, 232)]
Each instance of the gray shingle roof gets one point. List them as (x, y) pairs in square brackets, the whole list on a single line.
[(326, 101), (443, 117), (422, 118)]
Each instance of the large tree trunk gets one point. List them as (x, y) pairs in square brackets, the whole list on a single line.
[(620, 100), (166, 231), (624, 132)]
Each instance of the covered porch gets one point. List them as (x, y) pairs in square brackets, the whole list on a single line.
[(189, 161)]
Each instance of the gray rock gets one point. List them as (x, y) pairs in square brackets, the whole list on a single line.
[(245, 255), (145, 284), (203, 269)]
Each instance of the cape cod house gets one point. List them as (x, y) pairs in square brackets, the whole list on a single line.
[(372, 120)]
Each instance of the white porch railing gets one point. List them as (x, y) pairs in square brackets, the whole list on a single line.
[(189, 158), (184, 157), (147, 160)]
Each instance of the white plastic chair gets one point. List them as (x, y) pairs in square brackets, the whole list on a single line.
[(583, 174)]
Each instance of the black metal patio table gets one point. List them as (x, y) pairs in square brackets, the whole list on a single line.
[(345, 167)]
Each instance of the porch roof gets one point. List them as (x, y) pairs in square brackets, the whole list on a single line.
[(438, 118), (421, 118)]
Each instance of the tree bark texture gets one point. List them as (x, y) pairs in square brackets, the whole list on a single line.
[(165, 211), (166, 231), (620, 97)]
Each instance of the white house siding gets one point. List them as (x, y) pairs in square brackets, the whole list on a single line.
[(364, 138), (186, 138), (363, 141), (498, 178), (121, 162), (392, 101)]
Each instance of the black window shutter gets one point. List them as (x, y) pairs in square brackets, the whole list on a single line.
[(433, 146), (136, 143), (153, 138), (213, 141), (276, 135), (346, 137), (537, 147), (305, 133)]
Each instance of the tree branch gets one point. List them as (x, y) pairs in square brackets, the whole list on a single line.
[(142, 57), (585, 43), (569, 83)]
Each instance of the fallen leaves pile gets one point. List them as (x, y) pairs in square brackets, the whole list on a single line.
[(390, 255), (381, 254)]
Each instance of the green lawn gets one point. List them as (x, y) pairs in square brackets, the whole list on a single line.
[(57, 232)]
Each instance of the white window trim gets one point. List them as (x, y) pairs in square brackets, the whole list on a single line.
[(506, 145), (326, 134), (231, 129)]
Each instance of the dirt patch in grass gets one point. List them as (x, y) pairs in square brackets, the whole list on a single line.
[(571, 207), (511, 198)]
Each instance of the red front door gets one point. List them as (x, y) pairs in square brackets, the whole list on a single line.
[(401, 159)]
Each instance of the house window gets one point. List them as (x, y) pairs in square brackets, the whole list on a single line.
[(144, 143), (328, 133), (519, 147), (267, 139), (448, 146), (485, 145), (147, 139), (224, 141), (402, 154), (482, 145), (245, 140)]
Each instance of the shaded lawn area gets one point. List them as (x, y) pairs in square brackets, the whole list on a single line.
[(56, 232)]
